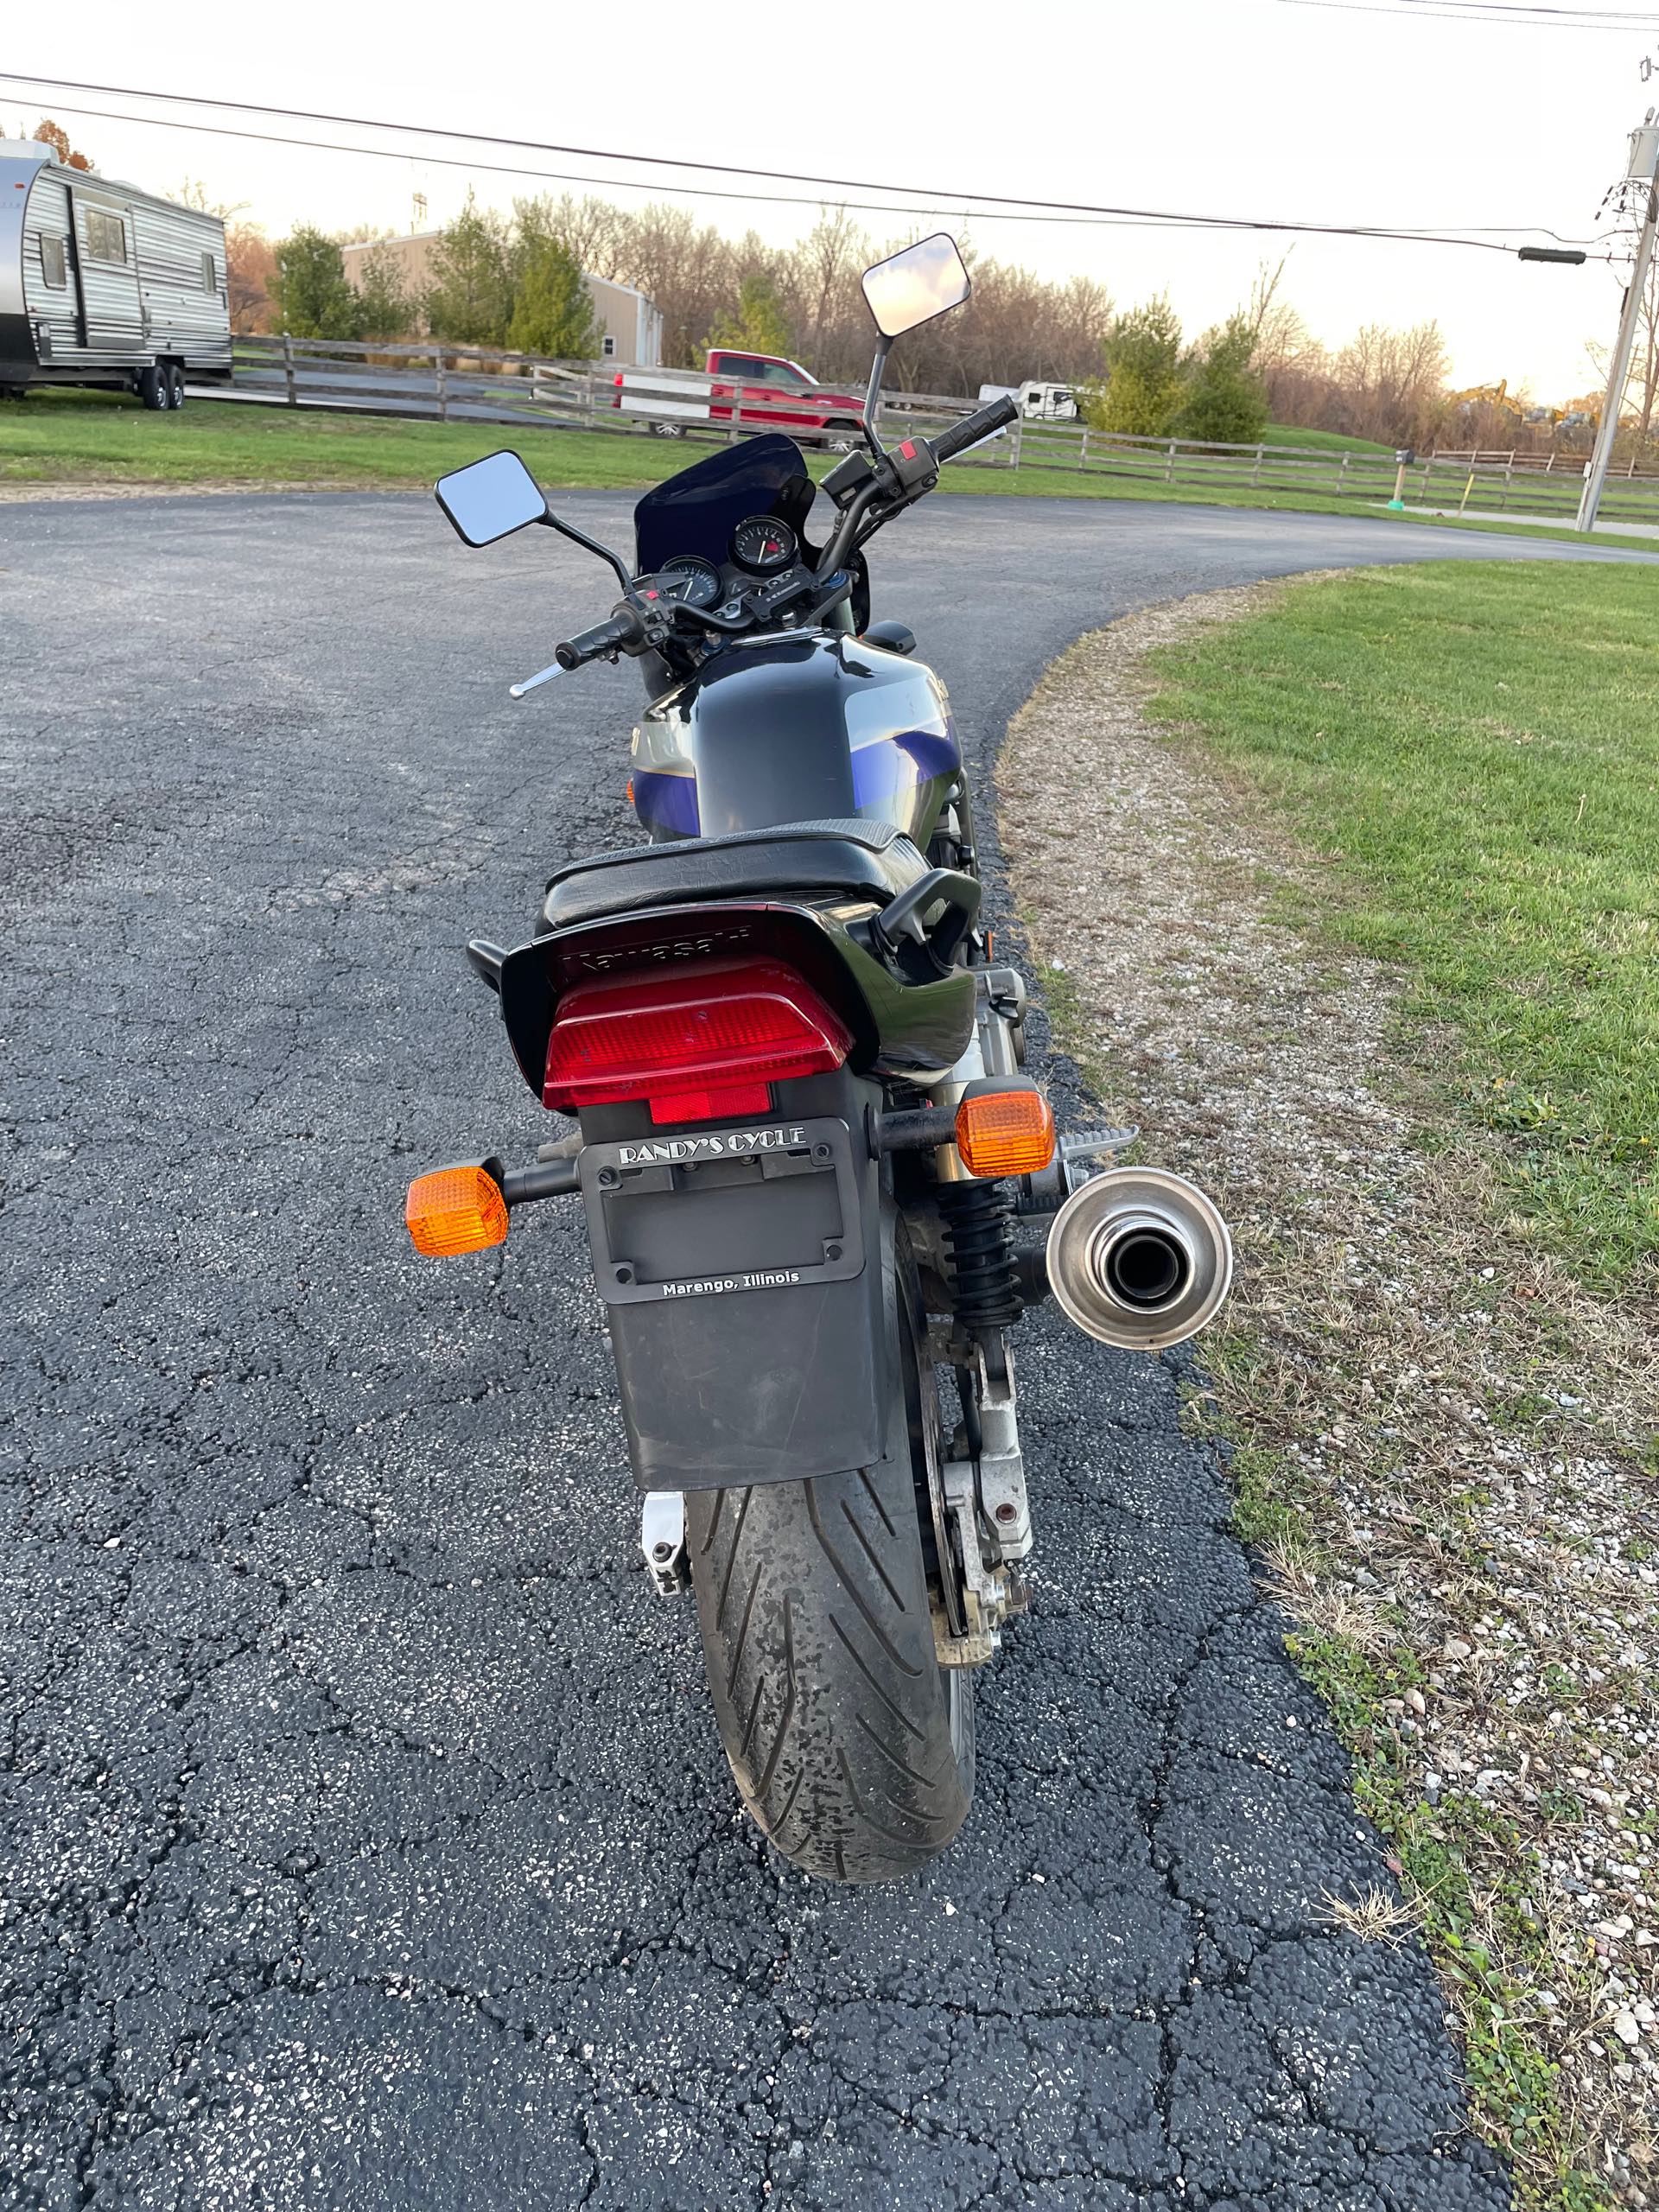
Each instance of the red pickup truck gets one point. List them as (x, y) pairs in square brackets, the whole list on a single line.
[(771, 394), (791, 400)]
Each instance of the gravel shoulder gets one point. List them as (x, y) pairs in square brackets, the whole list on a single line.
[(1436, 1438)]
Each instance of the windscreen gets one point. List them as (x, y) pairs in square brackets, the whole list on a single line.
[(698, 511)]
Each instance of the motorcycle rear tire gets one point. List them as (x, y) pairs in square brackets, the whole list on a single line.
[(853, 1749)]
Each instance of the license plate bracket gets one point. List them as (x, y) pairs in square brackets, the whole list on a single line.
[(683, 1215)]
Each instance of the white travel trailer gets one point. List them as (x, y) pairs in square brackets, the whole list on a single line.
[(103, 284), (1048, 403), (1038, 403)]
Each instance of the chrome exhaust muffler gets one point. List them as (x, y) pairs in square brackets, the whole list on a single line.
[(1139, 1258)]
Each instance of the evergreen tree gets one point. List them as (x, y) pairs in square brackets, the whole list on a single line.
[(760, 325), (552, 309), (384, 308), (1144, 388), (471, 301), (308, 290), (1226, 402)]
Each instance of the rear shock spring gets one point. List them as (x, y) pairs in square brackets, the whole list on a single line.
[(979, 1231)]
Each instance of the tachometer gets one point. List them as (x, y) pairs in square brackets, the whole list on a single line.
[(688, 580), (763, 545)]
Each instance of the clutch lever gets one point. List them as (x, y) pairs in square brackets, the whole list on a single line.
[(517, 691)]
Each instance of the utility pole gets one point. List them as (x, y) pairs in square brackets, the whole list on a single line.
[(1642, 169)]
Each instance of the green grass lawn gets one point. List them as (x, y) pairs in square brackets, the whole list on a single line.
[(93, 437), (100, 437), (1476, 749)]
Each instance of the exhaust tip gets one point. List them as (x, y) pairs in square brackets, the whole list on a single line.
[(1147, 1268), (1139, 1258)]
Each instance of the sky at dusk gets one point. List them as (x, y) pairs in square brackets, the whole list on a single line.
[(1265, 108)]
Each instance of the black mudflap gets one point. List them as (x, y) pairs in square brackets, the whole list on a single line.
[(742, 1272)]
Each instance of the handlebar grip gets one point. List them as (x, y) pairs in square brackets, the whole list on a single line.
[(622, 628), (993, 415)]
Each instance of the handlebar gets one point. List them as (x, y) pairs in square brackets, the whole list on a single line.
[(622, 629), (845, 534), (994, 416), (898, 478)]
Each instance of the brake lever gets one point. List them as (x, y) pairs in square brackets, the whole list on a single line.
[(517, 691)]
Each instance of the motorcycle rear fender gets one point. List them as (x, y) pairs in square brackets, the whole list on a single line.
[(743, 1354)]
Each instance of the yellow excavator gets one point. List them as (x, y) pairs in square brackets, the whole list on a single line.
[(1491, 394)]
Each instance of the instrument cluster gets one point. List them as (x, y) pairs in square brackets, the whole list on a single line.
[(764, 574)]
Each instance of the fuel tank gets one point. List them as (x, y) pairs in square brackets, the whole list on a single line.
[(797, 729)]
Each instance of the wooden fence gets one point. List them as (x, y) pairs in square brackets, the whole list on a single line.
[(478, 384), (1544, 487)]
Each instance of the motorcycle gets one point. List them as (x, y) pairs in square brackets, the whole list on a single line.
[(803, 1139)]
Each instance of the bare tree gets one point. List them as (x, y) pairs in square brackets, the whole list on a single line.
[(1642, 386), (687, 268), (1283, 341), (251, 266), (193, 193), (594, 232), (825, 269), (1392, 383)]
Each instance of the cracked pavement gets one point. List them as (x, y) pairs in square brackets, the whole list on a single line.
[(367, 1840)]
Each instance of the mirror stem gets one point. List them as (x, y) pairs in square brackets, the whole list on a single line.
[(872, 392), (592, 545)]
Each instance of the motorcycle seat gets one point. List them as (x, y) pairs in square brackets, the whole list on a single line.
[(853, 858)]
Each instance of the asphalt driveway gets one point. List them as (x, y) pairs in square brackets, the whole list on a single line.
[(365, 1837)]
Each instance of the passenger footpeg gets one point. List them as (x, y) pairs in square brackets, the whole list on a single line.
[(1078, 1159)]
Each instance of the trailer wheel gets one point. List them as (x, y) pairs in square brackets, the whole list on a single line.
[(152, 387), (175, 383)]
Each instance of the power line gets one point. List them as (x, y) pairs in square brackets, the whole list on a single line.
[(990, 208), (1590, 18), (1440, 11), (1600, 16)]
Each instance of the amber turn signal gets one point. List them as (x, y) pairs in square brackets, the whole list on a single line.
[(455, 1210), (1005, 1132)]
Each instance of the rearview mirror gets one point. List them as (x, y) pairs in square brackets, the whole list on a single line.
[(911, 288), (491, 499)]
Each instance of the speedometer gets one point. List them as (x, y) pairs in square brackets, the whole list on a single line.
[(763, 545), (686, 581)]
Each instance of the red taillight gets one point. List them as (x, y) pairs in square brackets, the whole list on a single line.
[(701, 1043)]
